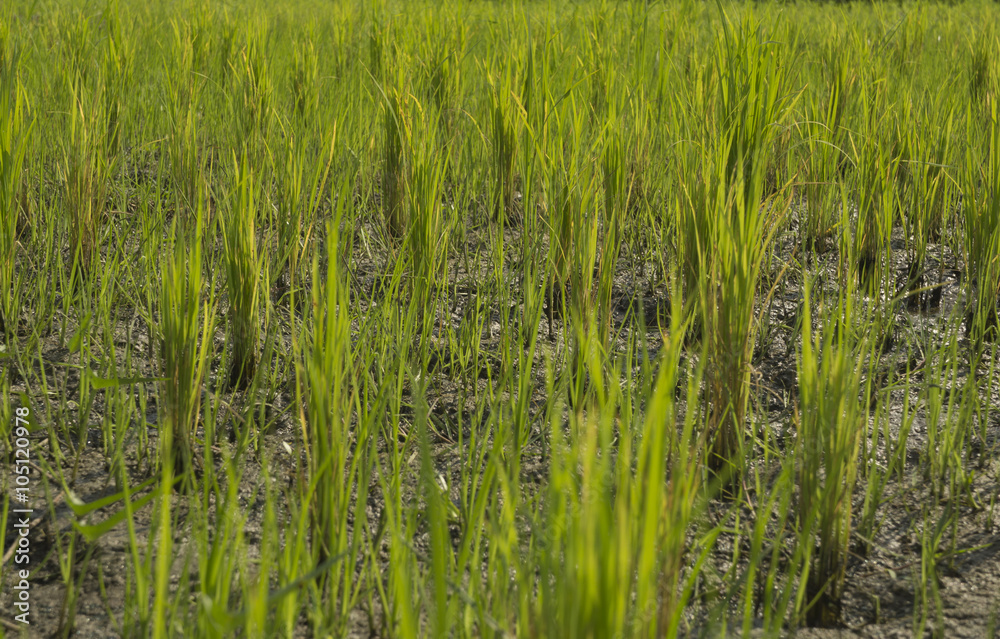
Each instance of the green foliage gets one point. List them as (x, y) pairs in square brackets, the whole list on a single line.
[(387, 200), (830, 427), (244, 268), (185, 327), (728, 225), (982, 227), (13, 145), (395, 147)]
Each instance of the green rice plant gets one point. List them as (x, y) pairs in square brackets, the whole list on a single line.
[(563, 216), (86, 169), (503, 131), (571, 201), (442, 559), (378, 33), (695, 204), (728, 226), (830, 429), (984, 410), (948, 424), (430, 226), (299, 197), (444, 46), (573, 255), (118, 72), (245, 270), (304, 80), (875, 475), (76, 44), (902, 123), (341, 36), (907, 42), (983, 74), (877, 163), (221, 550), (981, 206), (254, 109), (90, 151), (338, 462), (13, 145), (824, 145), (164, 530), (930, 195), (290, 167), (436, 480), (687, 450), (529, 163), (395, 147), (614, 551), (183, 101), (623, 167), (643, 225), (926, 577), (186, 326), (618, 186), (582, 590), (398, 597), (764, 589)]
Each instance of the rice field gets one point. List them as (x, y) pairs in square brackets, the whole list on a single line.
[(492, 319)]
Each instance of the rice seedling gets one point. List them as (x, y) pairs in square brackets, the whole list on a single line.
[(13, 145), (617, 195), (304, 79), (326, 416), (503, 141), (981, 205), (430, 225), (395, 146), (733, 226), (929, 198), (86, 170), (253, 112), (982, 72), (445, 46), (877, 161), (830, 428), (614, 561), (186, 322), (825, 146), (245, 270), (183, 102), (118, 72), (947, 426)]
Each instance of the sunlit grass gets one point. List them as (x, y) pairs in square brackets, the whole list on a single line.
[(602, 320)]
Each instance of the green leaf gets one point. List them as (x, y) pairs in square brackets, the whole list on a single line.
[(77, 339), (81, 508), (232, 619), (96, 531), (98, 383)]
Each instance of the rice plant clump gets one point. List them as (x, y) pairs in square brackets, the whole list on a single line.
[(733, 226), (244, 265), (186, 325), (13, 136), (982, 230), (830, 427)]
